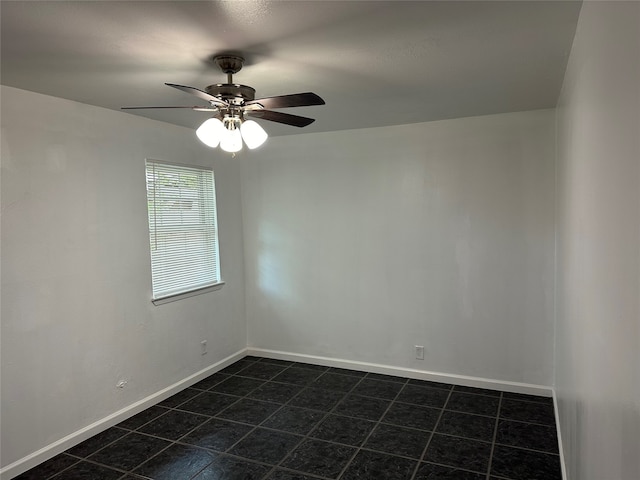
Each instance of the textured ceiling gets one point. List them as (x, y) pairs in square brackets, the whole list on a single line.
[(375, 63)]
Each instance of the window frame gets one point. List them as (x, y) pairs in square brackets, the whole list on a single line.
[(208, 226)]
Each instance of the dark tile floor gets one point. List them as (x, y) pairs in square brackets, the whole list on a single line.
[(276, 420)]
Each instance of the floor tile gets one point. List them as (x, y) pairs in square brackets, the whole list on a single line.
[(249, 422), (317, 399), (281, 474), (261, 370), (266, 446), (398, 440), (527, 412), (459, 452), (518, 464), (424, 396), (346, 371), (88, 471), (351, 431), (208, 403), (387, 378), (275, 361), (528, 398), (143, 417), (527, 435), (237, 366), (477, 391), (97, 442), (275, 392), (334, 381), (210, 381), (48, 468), (129, 451), (298, 376), (294, 420), (428, 383), (240, 386), (414, 416), (477, 404), (378, 388), (173, 425), (429, 471), (466, 425), (374, 465), (177, 461), (310, 366), (217, 434), (362, 407), (249, 411), (180, 397), (319, 458), (228, 468)]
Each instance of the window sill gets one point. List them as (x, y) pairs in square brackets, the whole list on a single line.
[(192, 293)]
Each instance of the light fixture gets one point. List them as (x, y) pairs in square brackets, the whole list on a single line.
[(210, 132), (230, 131), (253, 134), (230, 102), (231, 140)]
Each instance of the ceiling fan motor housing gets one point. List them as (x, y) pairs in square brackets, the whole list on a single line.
[(232, 92)]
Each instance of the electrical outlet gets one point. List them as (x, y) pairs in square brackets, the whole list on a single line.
[(419, 352), (203, 347)]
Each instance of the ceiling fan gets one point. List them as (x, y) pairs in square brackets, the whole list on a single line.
[(231, 103)]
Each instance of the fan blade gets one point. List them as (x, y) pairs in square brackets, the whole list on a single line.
[(198, 109), (286, 118), (285, 101), (198, 93)]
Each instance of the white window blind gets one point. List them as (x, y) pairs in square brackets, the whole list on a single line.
[(182, 228)]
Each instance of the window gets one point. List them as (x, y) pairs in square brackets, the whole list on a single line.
[(183, 230)]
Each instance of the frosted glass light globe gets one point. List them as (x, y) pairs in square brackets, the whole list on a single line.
[(210, 132), (231, 140), (253, 134)]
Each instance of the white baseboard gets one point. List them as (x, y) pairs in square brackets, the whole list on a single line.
[(20, 466), (463, 380)]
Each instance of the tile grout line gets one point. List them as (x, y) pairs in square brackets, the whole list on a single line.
[(128, 432), (495, 435), (377, 424), (49, 477), (321, 372), (326, 415), (433, 432), (255, 427), (171, 442), (246, 396), (175, 442)]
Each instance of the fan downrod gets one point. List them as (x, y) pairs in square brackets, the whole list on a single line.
[(234, 93)]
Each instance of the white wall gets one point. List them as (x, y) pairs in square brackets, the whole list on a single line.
[(361, 244), (76, 288), (598, 314)]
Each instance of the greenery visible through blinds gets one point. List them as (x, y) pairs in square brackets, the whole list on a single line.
[(182, 228)]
